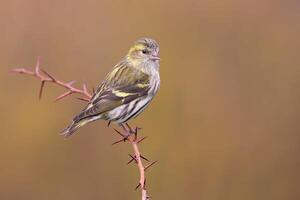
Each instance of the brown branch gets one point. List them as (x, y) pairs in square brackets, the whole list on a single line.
[(129, 135), (44, 77)]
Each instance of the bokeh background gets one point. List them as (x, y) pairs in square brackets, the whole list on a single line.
[(225, 124)]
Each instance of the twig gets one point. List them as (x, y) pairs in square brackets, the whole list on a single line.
[(44, 77), (129, 134)]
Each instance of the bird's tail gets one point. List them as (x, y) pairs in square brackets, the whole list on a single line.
[(69, 130)]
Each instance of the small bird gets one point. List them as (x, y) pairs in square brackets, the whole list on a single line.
[(127, 89)]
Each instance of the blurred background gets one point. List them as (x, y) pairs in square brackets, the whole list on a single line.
[(225, 124)]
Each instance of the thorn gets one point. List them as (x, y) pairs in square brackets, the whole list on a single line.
[(137, 186), (147, 167), (144, 187), (124, 137), (132, 159), (41, 89), (18, 70), (119, 132), (129, 128), (140, 140), (144, 158), (135, 132), (49, 76), (84, 87), (122, 140), (144, 184), (108, 123), (83, 99), (124, 128), (63, 95), (37, 66)]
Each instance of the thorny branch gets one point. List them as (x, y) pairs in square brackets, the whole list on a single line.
[(129, 134), (44, 77)]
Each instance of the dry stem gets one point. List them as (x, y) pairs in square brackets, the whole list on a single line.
[(130, 135), (44, 77)]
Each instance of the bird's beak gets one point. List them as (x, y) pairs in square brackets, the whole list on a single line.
[(154, 58)]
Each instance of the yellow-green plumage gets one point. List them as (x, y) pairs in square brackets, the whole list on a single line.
[(126, 90)]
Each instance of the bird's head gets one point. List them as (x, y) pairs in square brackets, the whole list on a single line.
[(144, 50)]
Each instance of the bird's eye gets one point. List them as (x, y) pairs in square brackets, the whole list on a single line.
[(144, 51)]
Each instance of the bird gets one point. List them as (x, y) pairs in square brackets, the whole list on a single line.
[(126, 91)]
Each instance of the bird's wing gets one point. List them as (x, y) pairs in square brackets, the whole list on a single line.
[(121, 86), (111, 99)]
